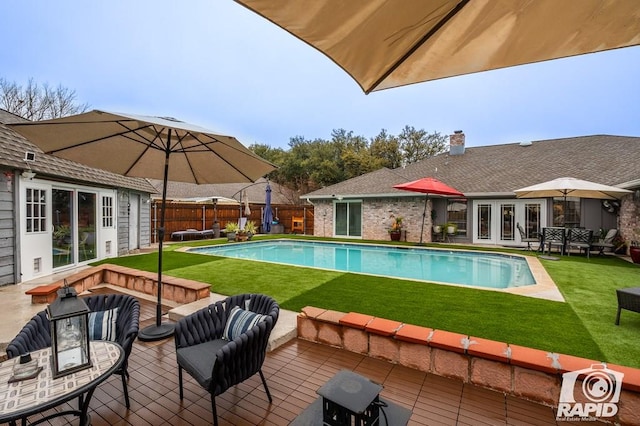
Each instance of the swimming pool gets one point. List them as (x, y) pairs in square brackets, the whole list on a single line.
[(479, 269)]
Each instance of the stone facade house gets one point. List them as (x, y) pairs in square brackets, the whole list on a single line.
[(56, 214), (364, 207)]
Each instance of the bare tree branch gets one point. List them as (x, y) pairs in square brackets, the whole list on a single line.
[(35, 102)]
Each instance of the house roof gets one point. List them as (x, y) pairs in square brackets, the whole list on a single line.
[(12, 153), (500, 169), (255, 192)]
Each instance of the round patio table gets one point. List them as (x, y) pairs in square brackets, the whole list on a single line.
[(21, 399)]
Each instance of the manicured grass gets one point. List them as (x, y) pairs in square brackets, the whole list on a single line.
[(584, 326)]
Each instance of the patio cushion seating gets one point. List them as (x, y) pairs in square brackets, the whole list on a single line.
[(36, 334), (218, 364), (580, 239), (102, 325), (606, 242), (525, 239)]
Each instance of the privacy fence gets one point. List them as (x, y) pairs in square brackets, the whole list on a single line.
[(183, 216)]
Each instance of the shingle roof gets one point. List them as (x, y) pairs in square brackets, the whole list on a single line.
[(255, 193), (500, 169), (13, 147)]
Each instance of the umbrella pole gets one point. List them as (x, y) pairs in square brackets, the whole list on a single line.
[(160, 331), (424, 214)]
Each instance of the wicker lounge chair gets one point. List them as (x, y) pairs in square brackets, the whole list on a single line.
[(221, 346), (36, 334)]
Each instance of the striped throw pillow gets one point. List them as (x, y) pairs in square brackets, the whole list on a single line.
[(240, 321), (102, 325)]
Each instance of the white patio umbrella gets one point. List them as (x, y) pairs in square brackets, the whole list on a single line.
[(571, 187), (147, 147), (390, 43)]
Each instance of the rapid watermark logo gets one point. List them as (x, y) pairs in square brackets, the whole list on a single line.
[(597, 395)]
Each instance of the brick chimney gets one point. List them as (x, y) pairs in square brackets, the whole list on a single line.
[(456, 143)]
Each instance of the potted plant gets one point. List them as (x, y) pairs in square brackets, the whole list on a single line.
[(634, 251), (619, 245), (395, 231), (250, 228), (231, 228)]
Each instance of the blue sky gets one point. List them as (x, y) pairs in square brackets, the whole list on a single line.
[(216, 64)]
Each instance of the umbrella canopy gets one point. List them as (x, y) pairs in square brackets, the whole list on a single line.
[(390, 43), (267, 216), (152, 147), (571, 187), (428, 185)]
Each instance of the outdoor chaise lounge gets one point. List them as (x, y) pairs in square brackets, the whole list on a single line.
[(225, 343), (606, 242), (192, 233)]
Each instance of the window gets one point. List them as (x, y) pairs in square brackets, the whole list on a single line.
[(484, 222), (107, 212), (36, 210), (457, 214), (566, 213)]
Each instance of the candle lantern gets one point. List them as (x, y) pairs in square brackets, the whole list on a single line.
[(68, 316)]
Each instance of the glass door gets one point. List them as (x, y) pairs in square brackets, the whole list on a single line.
[(62, 237), (483, 215), (87, 209), (508, 223), (348, 218)]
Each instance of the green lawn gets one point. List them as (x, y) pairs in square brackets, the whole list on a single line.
[(583, 326)]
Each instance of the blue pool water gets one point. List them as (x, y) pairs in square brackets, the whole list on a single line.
[(489, 270)]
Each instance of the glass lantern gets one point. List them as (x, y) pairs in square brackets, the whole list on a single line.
[(69, 318)]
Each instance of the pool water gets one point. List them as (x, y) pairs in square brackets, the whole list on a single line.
[(488, 270)]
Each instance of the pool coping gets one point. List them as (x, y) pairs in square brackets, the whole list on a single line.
[(544, 288)]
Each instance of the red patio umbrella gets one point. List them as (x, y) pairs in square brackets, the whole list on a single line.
[(428, 186)]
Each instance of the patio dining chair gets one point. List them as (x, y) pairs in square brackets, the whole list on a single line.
[(525, 239), (580, 239), (36, 334), (554, 237), (225, 343)]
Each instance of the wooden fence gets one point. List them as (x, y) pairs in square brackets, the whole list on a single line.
[(182, 216)]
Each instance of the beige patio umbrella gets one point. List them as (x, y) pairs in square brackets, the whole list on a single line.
[(571, 187), (147, 147), (390, 43)]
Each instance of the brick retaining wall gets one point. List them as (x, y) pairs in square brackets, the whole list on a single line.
[(178, 290), (514, 370)]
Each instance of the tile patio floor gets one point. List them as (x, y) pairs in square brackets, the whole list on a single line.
[(294, 372)]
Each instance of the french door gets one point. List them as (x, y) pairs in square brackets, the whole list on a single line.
[(495, 221), (73, 236)]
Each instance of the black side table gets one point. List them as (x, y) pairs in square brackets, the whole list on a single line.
[(351, 400), (629, 299)]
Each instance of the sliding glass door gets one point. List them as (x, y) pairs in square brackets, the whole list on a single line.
[(348, 218)]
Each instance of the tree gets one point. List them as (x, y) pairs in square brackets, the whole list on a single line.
[(386, 148), (35, 102), (418, 144)]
